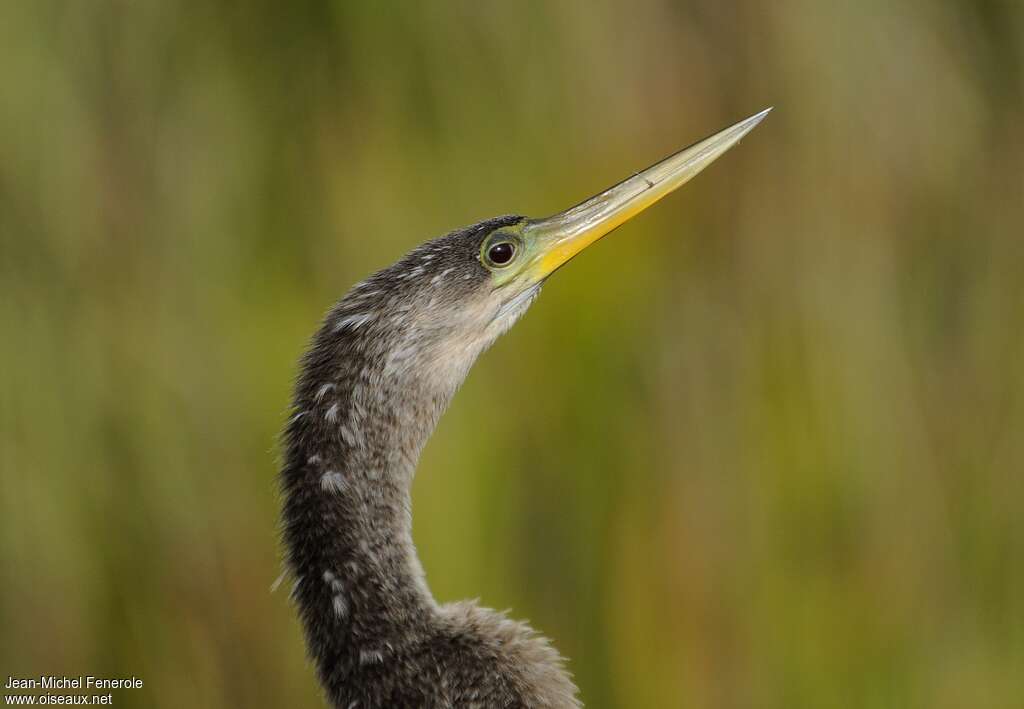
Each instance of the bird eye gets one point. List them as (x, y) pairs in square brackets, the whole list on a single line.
[(501, 253)]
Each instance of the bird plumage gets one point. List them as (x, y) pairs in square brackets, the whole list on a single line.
[(379, 374)]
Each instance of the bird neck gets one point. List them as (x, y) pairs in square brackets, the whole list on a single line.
[(351, 451)]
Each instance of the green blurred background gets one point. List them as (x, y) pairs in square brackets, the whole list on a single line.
[(763, 447)]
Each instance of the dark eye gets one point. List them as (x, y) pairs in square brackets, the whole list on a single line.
[(501, 253)]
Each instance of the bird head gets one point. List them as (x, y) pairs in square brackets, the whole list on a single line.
[(436, 309)]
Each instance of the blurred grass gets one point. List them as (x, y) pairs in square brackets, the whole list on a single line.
[(761, 448)]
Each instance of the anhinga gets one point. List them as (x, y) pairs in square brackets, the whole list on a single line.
[(381, 370)]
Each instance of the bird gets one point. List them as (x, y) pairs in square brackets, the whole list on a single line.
[(379, 372)]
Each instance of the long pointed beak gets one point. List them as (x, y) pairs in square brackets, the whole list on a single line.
[(564, 235)]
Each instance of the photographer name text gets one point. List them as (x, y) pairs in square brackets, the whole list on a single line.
[(80, 682)]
